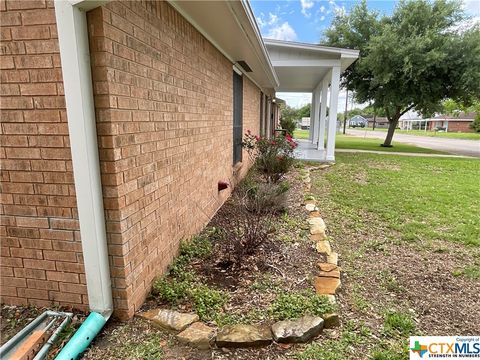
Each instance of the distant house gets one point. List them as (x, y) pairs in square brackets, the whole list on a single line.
[(456, 123), (357, 121), (380, 122)]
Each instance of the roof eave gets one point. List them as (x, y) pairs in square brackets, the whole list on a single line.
[(234, 33)]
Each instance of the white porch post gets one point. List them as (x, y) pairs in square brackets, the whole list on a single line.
[(314, 114), (312, 123), (323, 114), (332, 113)]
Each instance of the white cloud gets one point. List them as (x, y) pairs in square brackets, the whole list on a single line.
[(273, 19), (282, 32), (322, 18), (322, 9), (306, 5)]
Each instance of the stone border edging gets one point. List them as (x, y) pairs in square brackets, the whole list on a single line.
[(190, 330)]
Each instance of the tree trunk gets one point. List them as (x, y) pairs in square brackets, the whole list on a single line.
[(391, 130), (374, 119)]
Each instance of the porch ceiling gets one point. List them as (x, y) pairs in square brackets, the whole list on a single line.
[(301, 67)]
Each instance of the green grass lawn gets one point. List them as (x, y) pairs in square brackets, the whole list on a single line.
[(407, 232), (301, 134), (450, 135), (421, 198), (355, 142)]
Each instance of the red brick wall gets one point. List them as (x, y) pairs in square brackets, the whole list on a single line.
[(41, 261), (459, 126), (163, 98)]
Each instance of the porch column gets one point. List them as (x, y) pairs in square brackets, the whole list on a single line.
[(312, 123), (314, 114), (323, 114), (332, 113)]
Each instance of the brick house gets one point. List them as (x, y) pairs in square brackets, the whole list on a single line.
[(118, 120), (458, 123)]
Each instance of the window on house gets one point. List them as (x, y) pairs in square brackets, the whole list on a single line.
[(237, 117)]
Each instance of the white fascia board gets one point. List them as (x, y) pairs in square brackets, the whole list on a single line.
[(311, 47), (306, 63), (77, 80)]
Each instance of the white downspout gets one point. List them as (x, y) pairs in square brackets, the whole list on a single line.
[(77, 79)]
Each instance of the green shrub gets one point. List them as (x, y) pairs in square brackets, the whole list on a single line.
[(297, 304), (173, 291), (273, 157), (267, 197), (475, 125), (288, 124), (207, 302), (198, 247)]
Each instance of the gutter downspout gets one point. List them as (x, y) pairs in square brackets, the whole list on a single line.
[(77, 79)]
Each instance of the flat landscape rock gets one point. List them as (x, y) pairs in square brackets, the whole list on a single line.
[(332, 258), (169, 319), (314, 214), (244, 336), (311, 207), (197, 335), (318, 237), (297, 331), (316, 221), (331, 320), (333, 273), (327, 266), (323, 247), (326, 285)]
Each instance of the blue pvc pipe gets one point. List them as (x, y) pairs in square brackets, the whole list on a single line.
[(82, 337)]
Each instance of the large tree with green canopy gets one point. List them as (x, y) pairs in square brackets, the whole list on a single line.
[(411, 60)]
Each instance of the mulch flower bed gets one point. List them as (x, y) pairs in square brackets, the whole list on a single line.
[(249, 279), (283, 264)]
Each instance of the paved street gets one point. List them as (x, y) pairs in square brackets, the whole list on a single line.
[(453, 146)]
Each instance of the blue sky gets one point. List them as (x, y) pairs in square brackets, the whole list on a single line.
[(306, 20)]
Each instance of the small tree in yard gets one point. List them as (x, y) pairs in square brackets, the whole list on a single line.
[(411, 60)]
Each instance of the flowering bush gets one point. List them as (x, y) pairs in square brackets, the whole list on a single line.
[(273, 157)]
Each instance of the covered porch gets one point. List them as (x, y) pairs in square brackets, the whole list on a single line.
[(315, 69)]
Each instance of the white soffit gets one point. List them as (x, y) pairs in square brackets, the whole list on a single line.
[(300, 67), (231, 28)]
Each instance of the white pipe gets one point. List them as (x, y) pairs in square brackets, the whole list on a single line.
[(77, 79)]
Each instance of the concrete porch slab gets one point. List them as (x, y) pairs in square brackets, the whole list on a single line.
[(308, 151)]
